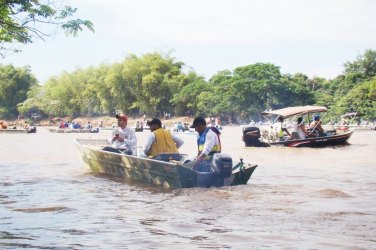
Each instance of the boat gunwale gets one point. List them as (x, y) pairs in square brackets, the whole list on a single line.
[(320, 139), (97, 148)]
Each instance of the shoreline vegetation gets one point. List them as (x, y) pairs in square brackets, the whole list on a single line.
[(159, 86), (155, 84), (108, 121)]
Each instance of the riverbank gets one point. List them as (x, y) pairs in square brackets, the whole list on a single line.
[(107, 121)]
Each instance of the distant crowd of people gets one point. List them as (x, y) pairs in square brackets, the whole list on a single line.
[(76, 125)]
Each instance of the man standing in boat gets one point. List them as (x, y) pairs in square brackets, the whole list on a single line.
[(281, 129), (161, 140), (123, 137), (208, 143)]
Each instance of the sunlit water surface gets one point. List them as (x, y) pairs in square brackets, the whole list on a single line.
[(297, 199)]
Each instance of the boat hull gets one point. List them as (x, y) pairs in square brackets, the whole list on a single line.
[(18, 131), (350, 127), (67, 130), (172, 174), (321, 141)]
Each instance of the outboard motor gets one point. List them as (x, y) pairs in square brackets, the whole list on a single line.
[(251, 137), (222, 165), (32, 129)]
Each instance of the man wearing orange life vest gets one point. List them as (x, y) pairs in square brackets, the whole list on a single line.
[(161, 140)]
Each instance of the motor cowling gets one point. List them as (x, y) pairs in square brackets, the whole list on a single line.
[(222, 165), (251, 137)]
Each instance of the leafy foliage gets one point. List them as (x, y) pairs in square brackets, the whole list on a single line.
[(361, 98), (14, 85), (154, 84), (23, 21)]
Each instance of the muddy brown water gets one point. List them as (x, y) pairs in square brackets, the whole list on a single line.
[(305, 198)]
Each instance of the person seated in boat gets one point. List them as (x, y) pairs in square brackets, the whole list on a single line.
[(179, 127), (316, 125), (100, 124), (26, 125), (344, 122), (123, 137), (161, 140), (62, 124), (281, 129), (186, 126), (208, 143), (298, 130), (89, 125), (76, 125), (3, 125)]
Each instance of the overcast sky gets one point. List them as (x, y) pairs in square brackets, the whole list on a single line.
[(313, 37)]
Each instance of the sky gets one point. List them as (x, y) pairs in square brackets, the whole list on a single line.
[(313, 37)]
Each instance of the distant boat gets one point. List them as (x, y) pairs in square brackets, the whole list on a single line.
[(349, 121), (265, 136), (78, 130), (30, 130), (191, 131)]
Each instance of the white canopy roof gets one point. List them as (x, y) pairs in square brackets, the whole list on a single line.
[(291, 111), (351, 115)]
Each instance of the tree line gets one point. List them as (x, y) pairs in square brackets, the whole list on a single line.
[(156, 84)]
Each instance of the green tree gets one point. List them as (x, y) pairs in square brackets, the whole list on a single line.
[(260, 81), (185, 100), (14, 85), (362, 99), (23, 21), (98, 91), (356, 72), (146, 83), (222, 98), (362, 68), (295, 91)]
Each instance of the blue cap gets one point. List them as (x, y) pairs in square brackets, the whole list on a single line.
[(316, 117)]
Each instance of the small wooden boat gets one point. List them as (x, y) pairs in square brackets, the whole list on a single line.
[(30, 130), (265, 136), (166, 170), (351, 121), (186, 132), (136, 129), (68, 130)]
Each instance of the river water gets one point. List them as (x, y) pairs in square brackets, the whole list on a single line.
[(296, 199)]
